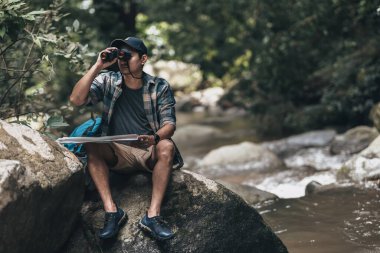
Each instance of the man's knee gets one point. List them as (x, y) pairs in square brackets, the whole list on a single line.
[(165, 150)]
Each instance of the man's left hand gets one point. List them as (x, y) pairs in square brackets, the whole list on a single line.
[(146, 140)]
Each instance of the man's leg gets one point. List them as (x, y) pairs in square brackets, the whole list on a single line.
[(161, 173), (100, 156), (152, 221)]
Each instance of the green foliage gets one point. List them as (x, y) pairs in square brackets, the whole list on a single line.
[(214, 35), (317, 60), (295, 64), (31, 48)]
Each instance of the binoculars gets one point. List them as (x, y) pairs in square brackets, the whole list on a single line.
[(121, 54)]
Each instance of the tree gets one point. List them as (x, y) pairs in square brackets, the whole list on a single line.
[(30, 46), (316, 63)]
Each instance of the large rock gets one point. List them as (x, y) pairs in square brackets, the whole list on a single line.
[(365, 165), (200, 100), (41, 191), (195, 134), (375, 116), (319, 159), (239, 158), (250, 194), (354, 140), (195, 139), (206, 217), (289, 146), (290, 183), (180, 75)]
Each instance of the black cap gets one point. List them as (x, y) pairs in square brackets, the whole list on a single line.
[(133, 42)]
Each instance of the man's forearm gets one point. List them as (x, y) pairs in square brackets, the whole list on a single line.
[(82, 87), (166, 131)]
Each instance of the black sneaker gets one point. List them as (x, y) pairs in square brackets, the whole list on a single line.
[(112, 222), (157, 227)]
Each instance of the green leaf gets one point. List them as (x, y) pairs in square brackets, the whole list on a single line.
[(46, 58), (37, 41), (28, 17), (56, 122), (2, 31), (76, 25), (71, 47), (36, 13)]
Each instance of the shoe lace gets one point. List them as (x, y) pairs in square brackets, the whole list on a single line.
[(108, 217), (159, 220)]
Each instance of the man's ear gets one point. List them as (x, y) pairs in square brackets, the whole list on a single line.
[(144, 59)]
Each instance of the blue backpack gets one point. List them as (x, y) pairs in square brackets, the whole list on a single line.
[(90, 128)]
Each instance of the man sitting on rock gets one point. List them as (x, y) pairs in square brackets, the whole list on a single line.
[(133, 103)]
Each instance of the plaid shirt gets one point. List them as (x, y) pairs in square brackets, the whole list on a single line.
[(159, 102)]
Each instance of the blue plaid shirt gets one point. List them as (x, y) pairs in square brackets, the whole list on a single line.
[(159, 102)]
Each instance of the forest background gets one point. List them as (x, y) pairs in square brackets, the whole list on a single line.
[(295, 65)]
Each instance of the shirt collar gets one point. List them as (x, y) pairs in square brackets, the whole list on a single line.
[(147, 79)]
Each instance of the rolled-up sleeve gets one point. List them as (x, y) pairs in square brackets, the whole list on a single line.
[(96, 92), (166, 105)]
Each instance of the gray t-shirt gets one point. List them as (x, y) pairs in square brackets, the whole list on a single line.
[(129, 115)]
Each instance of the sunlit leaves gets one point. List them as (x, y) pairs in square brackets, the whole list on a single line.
[(56, 122), (305, 54), (32, 43), (76, 25)]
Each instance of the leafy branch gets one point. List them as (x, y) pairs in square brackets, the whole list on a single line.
[(28, 70)]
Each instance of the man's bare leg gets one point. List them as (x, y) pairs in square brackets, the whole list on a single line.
[(99, 157), (161, 174)]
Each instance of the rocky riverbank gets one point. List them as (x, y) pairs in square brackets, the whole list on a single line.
[(42, 208), (285, 167), (319, 190)]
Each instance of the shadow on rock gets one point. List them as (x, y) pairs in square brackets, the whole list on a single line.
[(205, 216)]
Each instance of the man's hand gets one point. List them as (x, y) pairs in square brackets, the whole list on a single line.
[(146, 140), (104, 64)]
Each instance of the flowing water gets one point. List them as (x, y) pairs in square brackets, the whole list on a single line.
[(345, 219), (341, 220)]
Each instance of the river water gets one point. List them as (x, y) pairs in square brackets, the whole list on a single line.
[(336, 221), (345, 219)]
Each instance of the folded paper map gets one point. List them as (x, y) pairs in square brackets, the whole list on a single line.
[(103, 139)]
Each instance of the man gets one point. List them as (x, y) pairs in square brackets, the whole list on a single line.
[(133, 103)]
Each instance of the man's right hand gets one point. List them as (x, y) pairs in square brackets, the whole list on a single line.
[(100, 64), (82, 87)]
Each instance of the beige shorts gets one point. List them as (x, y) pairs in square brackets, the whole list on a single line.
[(131, 158)]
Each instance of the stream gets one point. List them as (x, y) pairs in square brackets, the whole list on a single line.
[(342, 219), (336, 221)]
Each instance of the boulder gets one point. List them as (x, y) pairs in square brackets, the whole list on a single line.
[(312, 187), (205, 215), (375, 116), (239, 158), (288, 146), (186, 103), (319, 159), (250, 194), (180, 75), (290, 183), (41, 191), (195, 134), (208, 97), (315, 187), (365, 165), (354, 140)]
